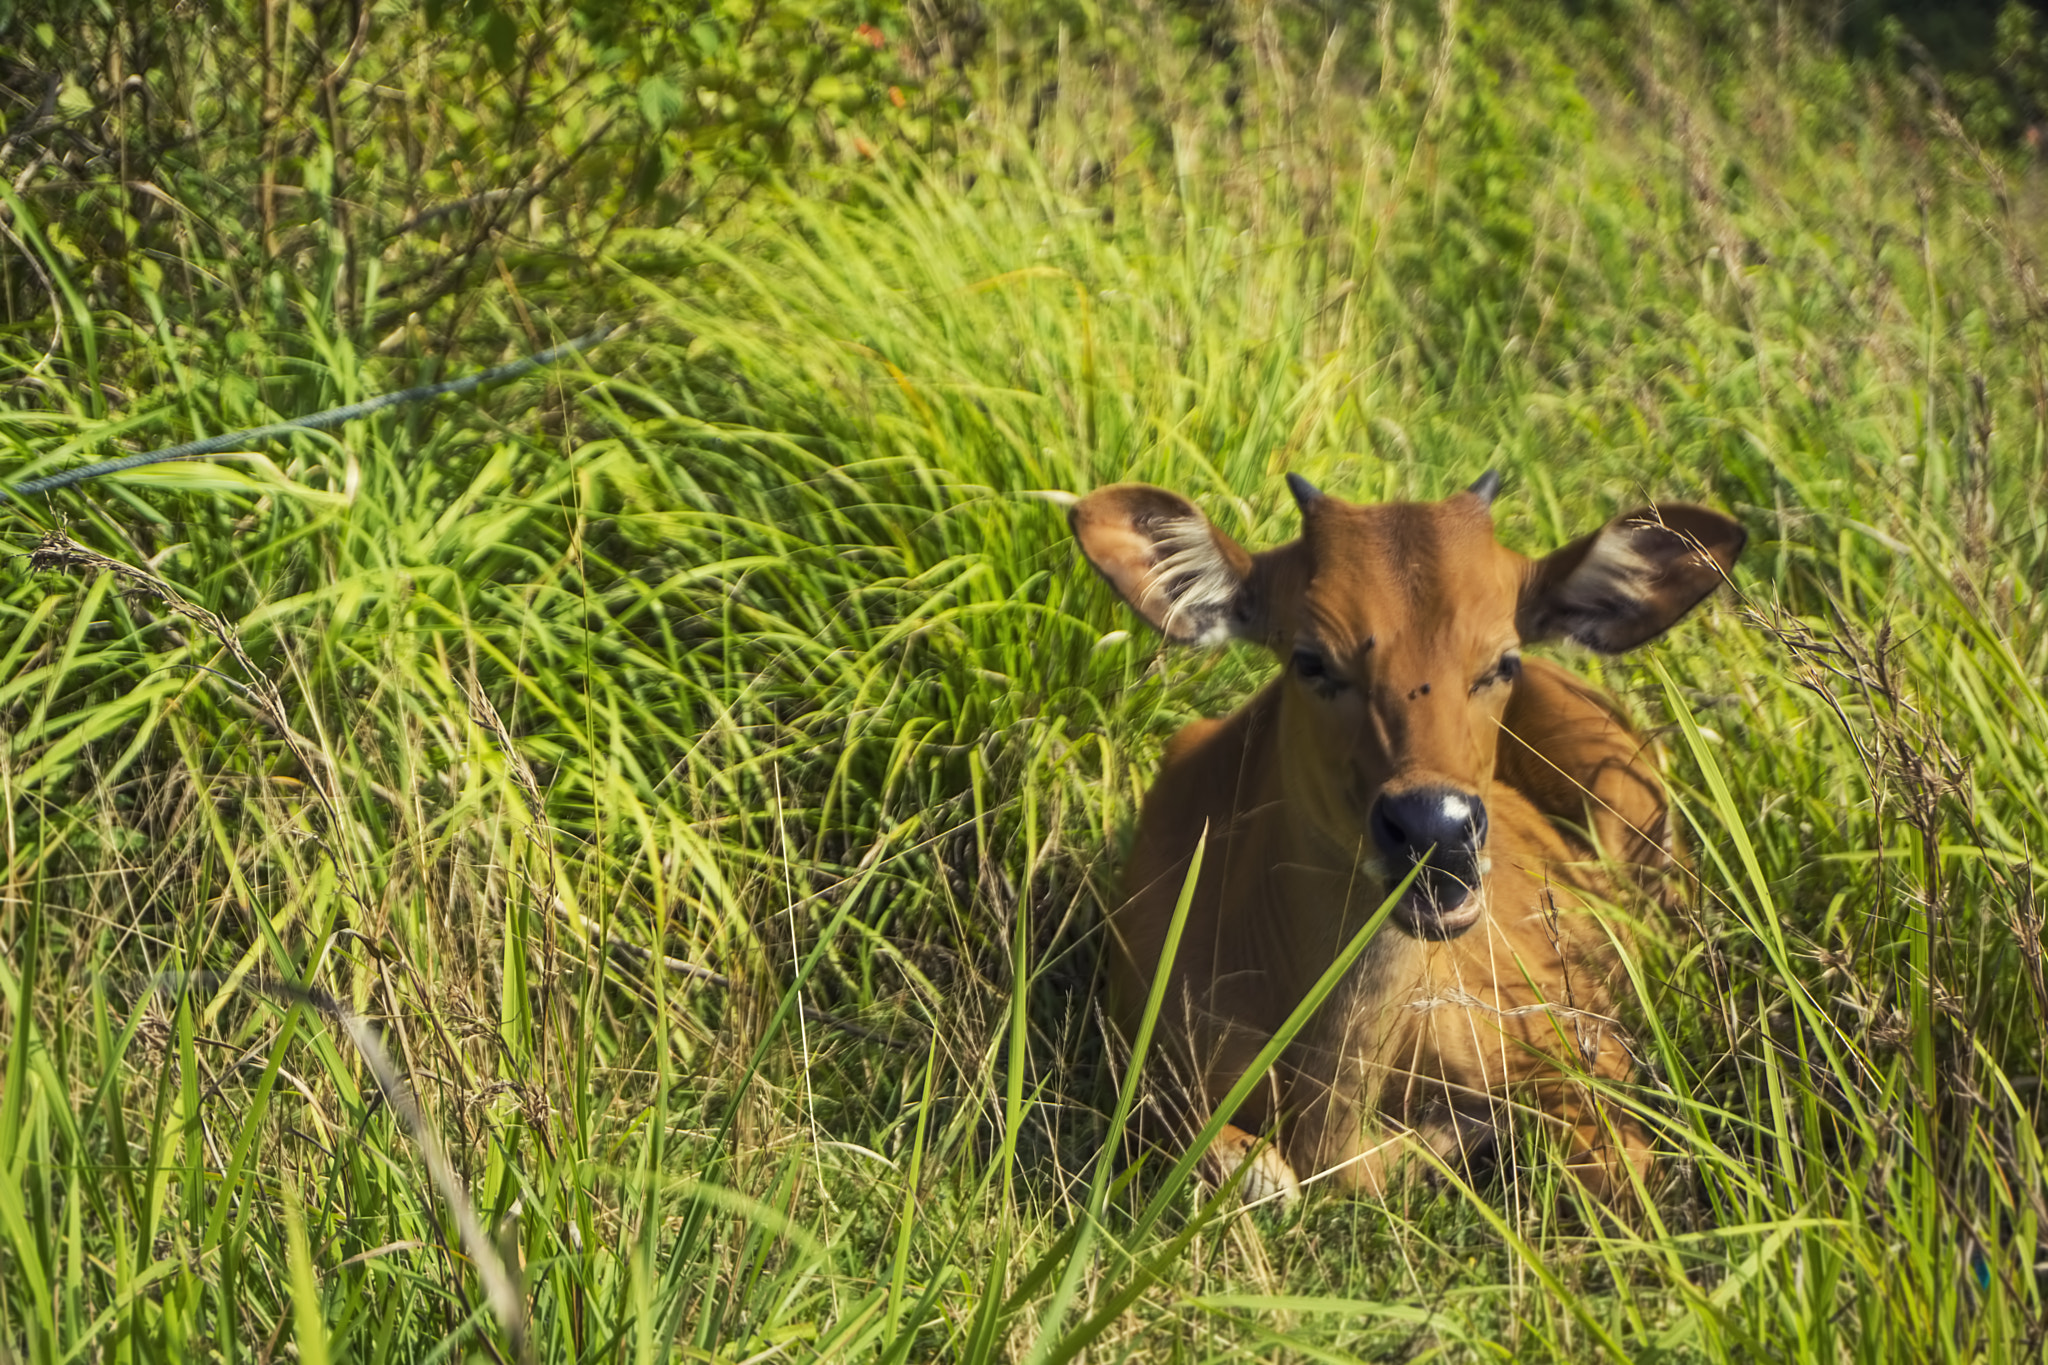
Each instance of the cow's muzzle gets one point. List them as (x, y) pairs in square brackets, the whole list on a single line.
[(1444, 830)]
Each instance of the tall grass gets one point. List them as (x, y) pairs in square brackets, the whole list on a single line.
[(706, 764)]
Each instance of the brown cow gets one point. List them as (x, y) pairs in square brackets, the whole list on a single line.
[(1379, 747)]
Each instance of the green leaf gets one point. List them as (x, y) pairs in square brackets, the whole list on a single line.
[(661, 102)]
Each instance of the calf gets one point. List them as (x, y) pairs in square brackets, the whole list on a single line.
[(1380, 750)]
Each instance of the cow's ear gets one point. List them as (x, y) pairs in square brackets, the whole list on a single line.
[(1167, 560), (1631, 580)]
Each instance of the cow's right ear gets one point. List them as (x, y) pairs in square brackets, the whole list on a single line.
[(1632, 579), (1167, 560)]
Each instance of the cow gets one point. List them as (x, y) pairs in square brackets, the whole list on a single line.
[(1406, 738)]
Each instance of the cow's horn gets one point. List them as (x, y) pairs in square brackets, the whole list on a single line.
[(1306, 494)]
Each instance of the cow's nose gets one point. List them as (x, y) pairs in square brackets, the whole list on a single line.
[(1408, 824)]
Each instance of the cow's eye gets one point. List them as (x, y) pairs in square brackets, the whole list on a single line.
[(1506, 671), (1312, 667)]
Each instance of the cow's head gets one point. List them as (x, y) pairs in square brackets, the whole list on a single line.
[(1400, 627)]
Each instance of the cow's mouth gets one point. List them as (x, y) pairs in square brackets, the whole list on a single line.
[(1443, 901)]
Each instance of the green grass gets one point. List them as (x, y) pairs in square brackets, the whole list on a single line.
[(706, 765)]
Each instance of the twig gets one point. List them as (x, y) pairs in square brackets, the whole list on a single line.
[(319, 421)]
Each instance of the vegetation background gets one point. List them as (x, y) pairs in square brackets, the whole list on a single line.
[(703, 765)]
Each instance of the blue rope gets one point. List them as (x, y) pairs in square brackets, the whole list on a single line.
[(319, 421)]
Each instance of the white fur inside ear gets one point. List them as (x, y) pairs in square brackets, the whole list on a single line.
[(1607, 587), (1191, 586), (1613, 567)]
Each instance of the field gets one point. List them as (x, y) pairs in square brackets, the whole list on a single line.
[(702, 767)]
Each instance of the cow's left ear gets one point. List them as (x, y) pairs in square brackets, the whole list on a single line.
[(1631, 580)]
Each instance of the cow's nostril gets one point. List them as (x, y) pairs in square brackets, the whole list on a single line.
[(1391, 838), (1411, 823)]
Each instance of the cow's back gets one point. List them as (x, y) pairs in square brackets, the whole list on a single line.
[(1567, 747)]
